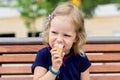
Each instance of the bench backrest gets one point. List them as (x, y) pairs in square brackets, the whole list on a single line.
[(105, 60), (16, 60)]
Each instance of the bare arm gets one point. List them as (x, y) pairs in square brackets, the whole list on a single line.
[(41, 73), (85, 75)]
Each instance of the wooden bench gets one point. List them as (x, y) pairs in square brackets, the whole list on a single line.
[(17, 55)]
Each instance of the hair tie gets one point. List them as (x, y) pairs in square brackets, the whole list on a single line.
[(50, 17)]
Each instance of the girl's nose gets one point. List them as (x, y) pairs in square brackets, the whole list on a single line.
[(59, 40)]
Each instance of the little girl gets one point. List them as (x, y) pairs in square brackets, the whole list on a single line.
[(65, 27)]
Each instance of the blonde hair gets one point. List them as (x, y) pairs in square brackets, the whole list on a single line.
[(68, 9)]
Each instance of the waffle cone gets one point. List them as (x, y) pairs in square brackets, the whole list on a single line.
[(59, 48)]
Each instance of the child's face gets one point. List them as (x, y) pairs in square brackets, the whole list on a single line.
[(62, 31)]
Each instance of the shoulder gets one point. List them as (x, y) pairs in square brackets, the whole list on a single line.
[(83, 62), (43, 58), (81, 57), (44, 51)]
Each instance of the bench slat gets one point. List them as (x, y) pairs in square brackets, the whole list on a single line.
[(102, 48), (104, 57), (15, 70), (20, 48), (17, 59), (104, 77), (92, 78), (105, 69), (17, 78)]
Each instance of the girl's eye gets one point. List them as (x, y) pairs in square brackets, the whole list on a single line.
[(54, 32), (66, 35)]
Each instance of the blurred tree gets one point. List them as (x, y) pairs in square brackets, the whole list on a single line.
[(33, 9), (30, 10)]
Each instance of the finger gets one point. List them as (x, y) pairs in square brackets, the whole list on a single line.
[(54, 53), (53, 49), (57, 61), (55, 56)]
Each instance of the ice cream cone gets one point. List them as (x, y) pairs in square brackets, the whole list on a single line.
[(59, 48)]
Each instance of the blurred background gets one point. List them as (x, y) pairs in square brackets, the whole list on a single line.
[(23, 18)]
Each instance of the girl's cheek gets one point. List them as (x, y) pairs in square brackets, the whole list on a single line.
[(53, 38), (51, 41)]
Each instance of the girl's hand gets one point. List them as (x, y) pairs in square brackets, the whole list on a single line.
[(56, 59)]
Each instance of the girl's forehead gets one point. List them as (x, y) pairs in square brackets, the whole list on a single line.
[(62, 18), (63, 22)]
